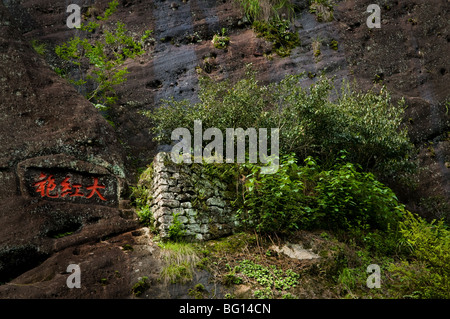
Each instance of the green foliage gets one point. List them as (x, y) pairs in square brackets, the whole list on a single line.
[(265, 10), (145, 216), (413, 260), (233, 244), (278, 32), (288, 296), (345, 270), (177, 273), (176, 231), (105, 57), (112, 7), (347, 198), (60, 235), (310, 197), (265, 293), (221, 40), (141, 286), (437, 207), (323, 9), (230, 278), (316, 48), (180, 260), (251, 8), (203, 263), (428, 241), (367, 125), (271, 278), (273, 202), (334, 45), (141, 195), (387, 242), (40, 48), (140, 198), (197, 292), (271, 19)]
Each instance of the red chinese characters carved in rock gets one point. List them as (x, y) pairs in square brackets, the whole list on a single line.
[(46, 187)]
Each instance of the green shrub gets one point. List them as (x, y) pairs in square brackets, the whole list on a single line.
[(141, 286), (179, 262), (104, 56), (437, 207), (310, 197), (334, 45), (428, 274), (348, 198), (176, 231), (252, 8), (367, 125), (265, 10), (279, 33), (387, 242), (428, 241), (145, 216), (231, 279), (141, 196), (265, 293), (271, 19), (197, 292)]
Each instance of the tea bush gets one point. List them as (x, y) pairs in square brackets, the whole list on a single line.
[(105, 57), (367, 125)]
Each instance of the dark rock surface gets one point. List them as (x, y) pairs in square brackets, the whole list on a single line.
[(409, 53), (47, 128)]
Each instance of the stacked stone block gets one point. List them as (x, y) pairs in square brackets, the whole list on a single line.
[(197, 200)]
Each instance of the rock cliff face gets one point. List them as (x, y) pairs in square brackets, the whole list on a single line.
[(61, 166), (64, 169)]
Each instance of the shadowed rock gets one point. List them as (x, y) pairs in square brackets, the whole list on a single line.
[(61, 167)]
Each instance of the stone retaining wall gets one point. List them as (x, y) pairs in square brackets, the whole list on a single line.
[(197, 200)]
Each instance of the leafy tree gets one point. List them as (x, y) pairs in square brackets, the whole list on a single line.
[(307, 196), (104, 56)]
